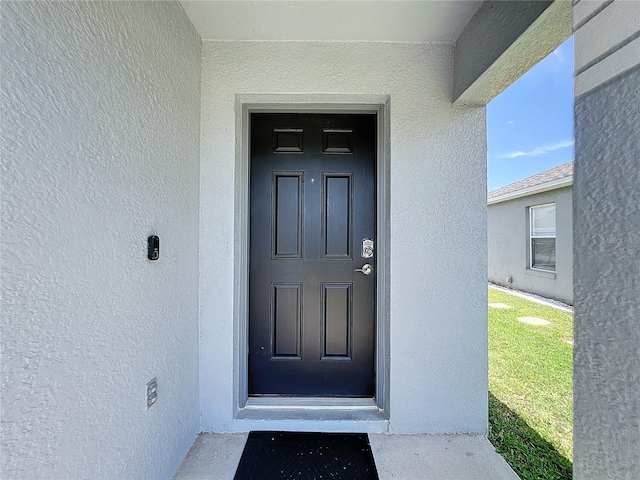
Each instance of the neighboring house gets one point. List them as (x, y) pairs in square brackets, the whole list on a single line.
[(530, 234), (124, 120)]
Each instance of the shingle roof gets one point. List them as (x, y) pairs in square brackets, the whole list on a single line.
[(555, 173)]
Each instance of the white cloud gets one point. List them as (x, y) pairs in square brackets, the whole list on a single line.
[(557, 53), (539, 150), (509, 122)]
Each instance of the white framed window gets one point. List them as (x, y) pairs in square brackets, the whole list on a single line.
[(542, 237)]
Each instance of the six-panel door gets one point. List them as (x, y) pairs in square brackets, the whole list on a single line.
[(311, 315)]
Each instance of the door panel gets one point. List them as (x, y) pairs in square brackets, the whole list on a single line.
[(287, 208), (337, 203), (336, 316), (311, 315), (286, 320)]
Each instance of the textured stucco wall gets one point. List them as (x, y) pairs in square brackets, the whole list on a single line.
[(607, 240), (607, 287), (438, 219), (100, 147), (508, 239)]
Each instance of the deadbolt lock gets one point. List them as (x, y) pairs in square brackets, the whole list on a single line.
[(367, 248)]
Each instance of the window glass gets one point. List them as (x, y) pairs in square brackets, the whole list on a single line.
[(543, 223), (543, 237), (543, 253)]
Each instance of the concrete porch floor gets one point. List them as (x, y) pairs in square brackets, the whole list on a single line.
[(400, 457)]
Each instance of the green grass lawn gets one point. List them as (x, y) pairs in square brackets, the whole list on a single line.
[(530, 388)]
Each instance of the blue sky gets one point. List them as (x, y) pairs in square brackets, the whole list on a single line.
[(530, 124)]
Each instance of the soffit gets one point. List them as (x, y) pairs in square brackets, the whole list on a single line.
[(331, 20)]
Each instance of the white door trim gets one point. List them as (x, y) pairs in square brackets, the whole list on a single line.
[(309, 103)]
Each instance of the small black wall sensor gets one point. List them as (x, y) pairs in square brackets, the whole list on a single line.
[(153, 252)]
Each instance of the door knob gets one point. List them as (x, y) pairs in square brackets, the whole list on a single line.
[(367, 269)]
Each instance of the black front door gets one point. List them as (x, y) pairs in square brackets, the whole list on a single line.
[(313, 204)]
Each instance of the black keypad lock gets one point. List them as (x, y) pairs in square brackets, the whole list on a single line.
[(154, 247)]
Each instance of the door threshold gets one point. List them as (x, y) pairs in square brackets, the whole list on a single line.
[(311, 414), (310, 403)]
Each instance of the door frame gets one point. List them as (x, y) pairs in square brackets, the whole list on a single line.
[(245, 104)]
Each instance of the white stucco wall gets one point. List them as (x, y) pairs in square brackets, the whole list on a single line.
[(508, 241), (100, 146), (438, 220)]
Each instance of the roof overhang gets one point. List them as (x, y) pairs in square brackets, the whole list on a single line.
[(496, 42), (525, 192), (415, 21), (502, 41)]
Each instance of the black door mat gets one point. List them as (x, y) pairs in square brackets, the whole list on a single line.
[(306, 456)]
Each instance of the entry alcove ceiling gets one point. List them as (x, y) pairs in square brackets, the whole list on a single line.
[(331, 20)]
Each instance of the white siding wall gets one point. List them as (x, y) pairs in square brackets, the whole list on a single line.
[(438, 220), (100, 147)]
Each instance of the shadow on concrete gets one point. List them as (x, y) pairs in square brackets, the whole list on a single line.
[(530, 455)]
